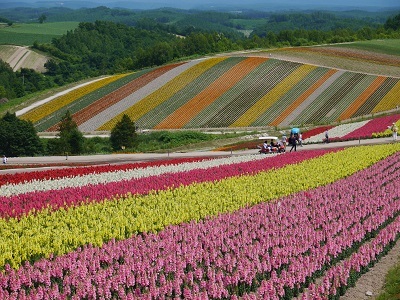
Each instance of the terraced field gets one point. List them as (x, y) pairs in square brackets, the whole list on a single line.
[(286, 87), (21, 57)]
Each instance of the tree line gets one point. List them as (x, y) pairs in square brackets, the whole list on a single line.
[(19, 138)]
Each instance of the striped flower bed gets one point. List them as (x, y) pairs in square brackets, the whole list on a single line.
[(48, 108), (378, 127), (250, 227)]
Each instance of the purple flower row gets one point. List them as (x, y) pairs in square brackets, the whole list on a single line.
[(260, 249)]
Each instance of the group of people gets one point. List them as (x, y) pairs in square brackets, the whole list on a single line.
[(273, 146), (296, 139), (280, 146)]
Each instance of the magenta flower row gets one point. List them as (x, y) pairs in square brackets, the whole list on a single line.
[(268, 247), (19, 205), (373, 126)]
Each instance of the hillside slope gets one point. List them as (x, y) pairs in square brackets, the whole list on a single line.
[(246, 90), (21, 57)]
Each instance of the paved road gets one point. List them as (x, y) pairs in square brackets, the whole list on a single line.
[(138, 157)]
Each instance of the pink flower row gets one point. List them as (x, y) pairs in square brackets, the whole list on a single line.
[(373, 126), (80, 171), (269, 246), (19, 205), (339, 275)]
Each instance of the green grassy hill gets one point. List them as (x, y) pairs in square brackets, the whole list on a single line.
[(15, 41), (25, 34)]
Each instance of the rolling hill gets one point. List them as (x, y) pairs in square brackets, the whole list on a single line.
[(22, 57), (289, 87)]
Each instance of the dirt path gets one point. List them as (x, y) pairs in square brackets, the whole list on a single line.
[(373, 281), (43, 101)]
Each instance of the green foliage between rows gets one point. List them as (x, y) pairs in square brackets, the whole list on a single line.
[(392, 285)]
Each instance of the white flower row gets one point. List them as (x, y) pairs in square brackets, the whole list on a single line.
[(115, 176), (336, 132)]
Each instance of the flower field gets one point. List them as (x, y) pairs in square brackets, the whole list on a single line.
[(303, 224), (220, 92), (377, 127)]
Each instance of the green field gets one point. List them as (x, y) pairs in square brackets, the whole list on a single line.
[(391, 47), (248, 24), (27, 33)]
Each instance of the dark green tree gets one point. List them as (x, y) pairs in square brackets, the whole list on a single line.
[(13, 87), (71, 140), (393, 23), (42, 18), (123, 135), (18, 137)]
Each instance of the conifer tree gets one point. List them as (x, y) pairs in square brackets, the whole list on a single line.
[(123, 135)]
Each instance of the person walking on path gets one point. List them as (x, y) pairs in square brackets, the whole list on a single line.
[(4, 159), (293, 142), (326, 136), (394, 131)]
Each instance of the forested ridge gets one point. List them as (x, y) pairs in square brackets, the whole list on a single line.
[(108, 47)]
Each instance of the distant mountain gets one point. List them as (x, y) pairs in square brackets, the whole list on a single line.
[(369, 5)]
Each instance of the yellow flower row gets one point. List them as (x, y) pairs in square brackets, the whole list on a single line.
[(162, 94), (48, 108), (272, 96), (63, 231), (390, 100)]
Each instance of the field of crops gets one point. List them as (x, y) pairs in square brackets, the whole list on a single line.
[(304, 224), (389, 47), (26, 34), (228, 92)]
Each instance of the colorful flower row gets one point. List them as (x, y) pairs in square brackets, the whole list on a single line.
[(53, 174), (137, 182), (272, 96), (338, 278), (114, 173), (159, 96), (42, 111), (267, 250), (176, 198), (377, 127), (390, 100), (373, 127)]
